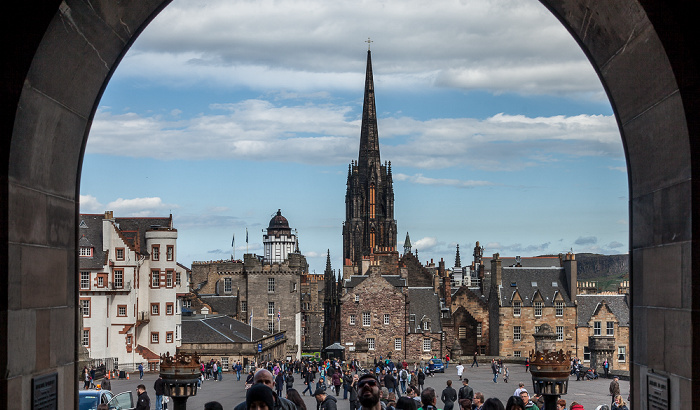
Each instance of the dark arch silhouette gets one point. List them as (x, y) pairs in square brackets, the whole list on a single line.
[(59, 57)]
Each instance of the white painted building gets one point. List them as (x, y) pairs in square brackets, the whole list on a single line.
[(279, 241), (130, 288)]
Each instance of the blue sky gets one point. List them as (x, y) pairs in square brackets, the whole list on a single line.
[(496, 125)]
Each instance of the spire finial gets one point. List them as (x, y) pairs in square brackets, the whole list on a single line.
[(368, 41)]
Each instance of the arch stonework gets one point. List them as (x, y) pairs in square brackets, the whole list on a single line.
[(60, 56)]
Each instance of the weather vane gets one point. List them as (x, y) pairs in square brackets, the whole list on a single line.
[(368, 41)]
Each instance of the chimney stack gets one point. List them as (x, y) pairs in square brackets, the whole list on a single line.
[(496, 270), (570, 270)]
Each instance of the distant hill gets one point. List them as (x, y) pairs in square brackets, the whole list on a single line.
[(593, 266)]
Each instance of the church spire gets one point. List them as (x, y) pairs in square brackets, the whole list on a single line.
[(458, 263), (407, 245), (369, 138)]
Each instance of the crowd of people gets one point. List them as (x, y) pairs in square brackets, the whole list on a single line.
[(386, 386)]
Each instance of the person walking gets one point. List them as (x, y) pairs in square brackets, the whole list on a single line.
[(141, 371), (606, 368), (614, 389), (421, 379), (337, 381), (308, 381), (460, 370), (159, 387), (347, 381), (143, 402), (466, 392), (475, 362), (352, 389), (494, 369)]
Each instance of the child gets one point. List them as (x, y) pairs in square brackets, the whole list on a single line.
[(506, 374)]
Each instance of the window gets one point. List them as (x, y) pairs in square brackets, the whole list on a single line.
[(462, 332), (228, 285), (352, 320), (586, 354), (357, 298), (85, 251), (516, 308), (155, 278), (119, 252), (537, 329), (270, 308), (118, 281), (271, 327), (516, 333), (538, 308), (155, 337), (559, 308), (224, 363), (121, 310), (610, 330), (596, 328), (516, 353), (84, 280), (85, 307), (370, 343), (426, 325), (366, 320), (427, 345), (169, 278), (155, 252), (270, 285), (560, 333), (177, 332), (169, 308), (386, 318), (170, 252), (168, 337), (86, 338), (397, 343), (621, 353), (128, 339), (244, 305), (177, 279), (155, 308), (101, 281), (478, 330)]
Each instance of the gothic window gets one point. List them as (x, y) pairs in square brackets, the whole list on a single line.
[(372, 201), (371, 238)]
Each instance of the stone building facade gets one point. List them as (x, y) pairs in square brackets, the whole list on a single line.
[(603, 330), (312, 296), (130, 288), (269, 294)]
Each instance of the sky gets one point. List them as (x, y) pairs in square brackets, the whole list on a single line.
[(496, 125)]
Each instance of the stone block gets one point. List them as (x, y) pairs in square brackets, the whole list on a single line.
[(678, 342), (672, 219), (658, 152), (654, 325), (43, 339), (63, 336), (45, 277), (28, 222), (662, 280), (60, 218), (14, 277), (21, 342), (46, 145), (639, 336), (642, 221)]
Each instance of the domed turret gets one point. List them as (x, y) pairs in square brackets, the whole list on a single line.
[(279, 241)]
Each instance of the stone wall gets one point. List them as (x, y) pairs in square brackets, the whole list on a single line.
[(527, 322), (620, 333)]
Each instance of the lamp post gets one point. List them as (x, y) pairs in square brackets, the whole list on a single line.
[(181, 376), (549, 368)]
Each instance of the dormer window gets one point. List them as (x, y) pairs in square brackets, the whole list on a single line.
[(517, 305), (85, 251), (538, 308), (426, 325)]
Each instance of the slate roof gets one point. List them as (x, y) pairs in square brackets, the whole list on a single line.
[(526, 262), (90, 234), (588, 305), (221, 305), (549, 282), (133, 228), (218, 329), (424, 302), (394, 280)]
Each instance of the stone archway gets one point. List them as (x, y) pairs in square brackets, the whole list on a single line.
[(62, 54)]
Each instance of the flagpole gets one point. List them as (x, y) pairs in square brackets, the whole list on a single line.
[(246, 240), (251, 325), (233, 245)]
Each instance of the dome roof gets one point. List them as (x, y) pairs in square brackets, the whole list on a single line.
[(278, 221)]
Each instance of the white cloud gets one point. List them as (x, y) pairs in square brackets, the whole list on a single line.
[(425, 244), (516, 248), (420, 179), (138, 207), (311, 254), (89, 204), (323, 134), (501, 45)]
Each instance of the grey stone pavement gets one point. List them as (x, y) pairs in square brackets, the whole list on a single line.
[(230, 392)]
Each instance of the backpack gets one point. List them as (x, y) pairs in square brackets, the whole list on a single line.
[(404, 374)]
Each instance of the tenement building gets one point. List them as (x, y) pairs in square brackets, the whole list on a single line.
[(369, 200), (266, 289), (130, 284), (603, 330)]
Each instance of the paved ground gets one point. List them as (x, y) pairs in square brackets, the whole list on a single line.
[(230, 392)]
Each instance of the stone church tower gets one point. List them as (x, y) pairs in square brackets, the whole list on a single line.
[(369, 201)]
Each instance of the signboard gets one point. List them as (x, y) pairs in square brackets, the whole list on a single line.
[(259, 347), (45, 392), (278, 337), (657, 392)]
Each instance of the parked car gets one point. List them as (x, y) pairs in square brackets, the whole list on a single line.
[(437, 365), (89, 399)]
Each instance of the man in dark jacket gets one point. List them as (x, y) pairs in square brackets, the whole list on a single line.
[(159, 387), (354, 399), (389, 382), (466, 392), (263, 376), (308, 381), (326, 401), (449, 396), (143, 402), (347, 381)]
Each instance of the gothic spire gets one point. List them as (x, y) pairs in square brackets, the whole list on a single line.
[(458, 263), (407, 245), (328, 262), (369, 137)]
